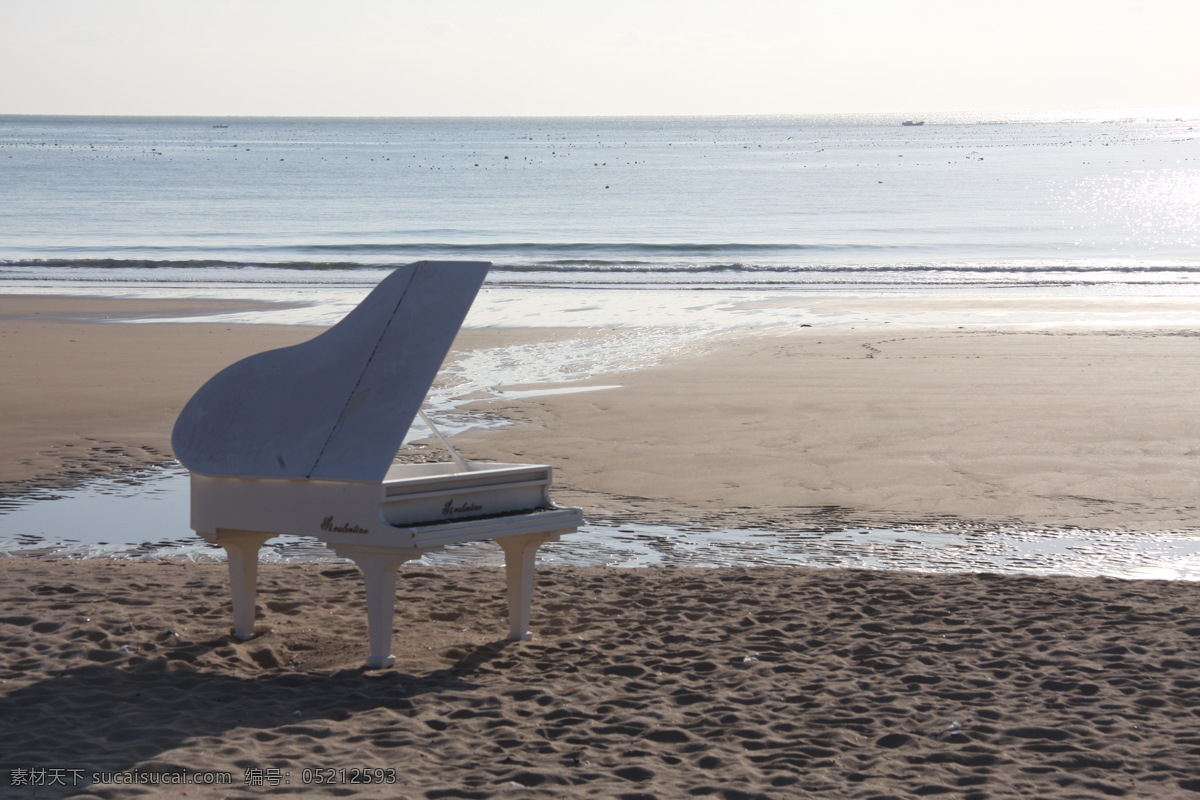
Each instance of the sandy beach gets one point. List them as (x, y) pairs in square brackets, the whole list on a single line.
[(1046, 428), (656, 683), (1055, 427), (82, 398), (739, 683)]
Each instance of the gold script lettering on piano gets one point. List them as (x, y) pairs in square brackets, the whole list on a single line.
[(277, 441)]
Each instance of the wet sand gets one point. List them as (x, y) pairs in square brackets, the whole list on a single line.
[(82, 398), (1060, 427), (1055, 428)]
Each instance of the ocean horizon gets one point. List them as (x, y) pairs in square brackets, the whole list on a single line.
[(1053, 198)]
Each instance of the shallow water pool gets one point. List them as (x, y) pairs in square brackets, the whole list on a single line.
[(145, 516)]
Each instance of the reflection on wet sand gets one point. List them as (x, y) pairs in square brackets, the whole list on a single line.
[(146, 519)]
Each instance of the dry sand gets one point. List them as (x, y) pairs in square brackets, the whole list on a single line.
[(660, 683), (672, 683)]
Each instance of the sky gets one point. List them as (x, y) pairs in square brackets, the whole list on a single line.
[(593, 57)]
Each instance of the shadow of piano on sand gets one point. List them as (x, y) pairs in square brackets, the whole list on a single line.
[(161, 716)]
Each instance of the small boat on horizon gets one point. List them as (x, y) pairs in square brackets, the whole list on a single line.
[(909, 122)]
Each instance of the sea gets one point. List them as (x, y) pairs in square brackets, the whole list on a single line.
[(655, 229)]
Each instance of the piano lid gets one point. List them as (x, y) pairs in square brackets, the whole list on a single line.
[(338, 406)]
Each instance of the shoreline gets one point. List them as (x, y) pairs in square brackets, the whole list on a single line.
[(957, 429), (974, 427)]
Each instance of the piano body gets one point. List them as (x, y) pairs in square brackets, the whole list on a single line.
[(302, 440)]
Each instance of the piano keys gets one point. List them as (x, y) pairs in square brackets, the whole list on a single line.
[(302, 440)]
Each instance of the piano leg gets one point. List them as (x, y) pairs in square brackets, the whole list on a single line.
[(379, 575), (241, 550), (520, 552)]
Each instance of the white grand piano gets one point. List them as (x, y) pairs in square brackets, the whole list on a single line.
[(302, 441)]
